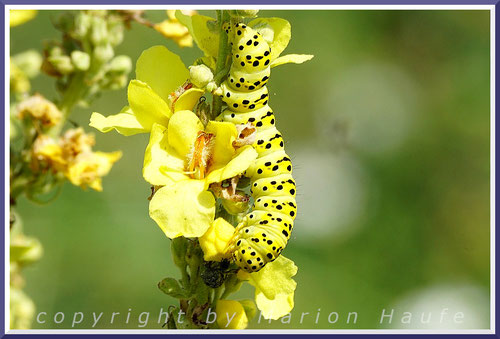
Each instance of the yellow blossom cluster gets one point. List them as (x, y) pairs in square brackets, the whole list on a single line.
[(72, 155)]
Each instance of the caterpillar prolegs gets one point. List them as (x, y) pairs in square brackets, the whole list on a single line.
[(264, 232)]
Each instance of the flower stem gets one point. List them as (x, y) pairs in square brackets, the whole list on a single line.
[(222, 59)]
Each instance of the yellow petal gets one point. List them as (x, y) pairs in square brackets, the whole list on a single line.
[(105, 161), (147, 106), (182, 131), (185, 41), (215, 240), (188, 99), (275, 278), (162, 70), (274, 287), (275, 308), (183, 209), (282, 33), (125, 122), (244, 158), (291, 59), (225, 134), (231, 315), (162, 164), (20, 16)]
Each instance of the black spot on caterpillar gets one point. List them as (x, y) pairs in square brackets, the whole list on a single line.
[(265, 231)]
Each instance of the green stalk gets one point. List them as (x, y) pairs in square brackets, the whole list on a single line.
[(222, 58)]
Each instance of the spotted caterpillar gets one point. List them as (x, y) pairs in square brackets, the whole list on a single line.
[(264, 232)]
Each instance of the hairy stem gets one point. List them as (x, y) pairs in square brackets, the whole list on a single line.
[(222, 59)]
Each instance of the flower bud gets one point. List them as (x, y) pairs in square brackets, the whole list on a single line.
[(200, 75), (115, 35), (29, 62), (115, 82), (25, 250), (233, 310), (179, 249), (104, 53), (83, 22), (120, 64), (216, 239), (61, 63), (171, 287), (81, 60), (19, 82), (235, 207), (99, 33), (245, 13)]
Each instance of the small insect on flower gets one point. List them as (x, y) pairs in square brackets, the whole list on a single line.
[(214, 272)]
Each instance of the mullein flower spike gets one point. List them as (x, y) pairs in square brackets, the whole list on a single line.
[(197, 167)]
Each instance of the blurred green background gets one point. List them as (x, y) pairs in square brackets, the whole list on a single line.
[(388, 128)]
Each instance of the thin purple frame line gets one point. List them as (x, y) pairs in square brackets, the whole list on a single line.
[(2, 171), (497, 123), (2, 10), (254, 2)]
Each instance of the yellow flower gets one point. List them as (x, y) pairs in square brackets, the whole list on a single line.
[(173, 29), (72, 155), (215, 240), (40, 109), (20, 16), (231, 315), (274, 287), (87, 168), (157, 92), (185, 157), (76, 141), (46, 150)]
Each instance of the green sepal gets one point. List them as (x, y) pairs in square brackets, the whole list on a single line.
[(171, 287)]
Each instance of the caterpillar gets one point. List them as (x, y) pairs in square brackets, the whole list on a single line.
[(264, 232)]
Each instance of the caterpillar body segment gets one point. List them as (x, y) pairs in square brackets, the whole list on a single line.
[(264, 232)]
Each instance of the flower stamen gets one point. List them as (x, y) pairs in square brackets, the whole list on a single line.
[(200, 156)]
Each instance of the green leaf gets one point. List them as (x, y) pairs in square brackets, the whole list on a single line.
[(291, 59), (162, 70), (281, 33), (249, 307), (202, 293), (171, 287), (201, 29)]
